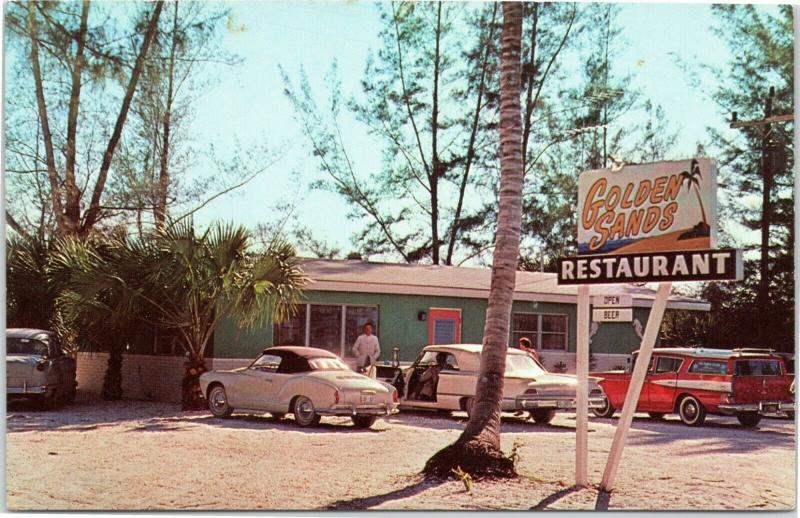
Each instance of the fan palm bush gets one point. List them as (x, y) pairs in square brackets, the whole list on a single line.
[(184, 282)]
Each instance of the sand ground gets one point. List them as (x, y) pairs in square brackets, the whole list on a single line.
[(130, 455)]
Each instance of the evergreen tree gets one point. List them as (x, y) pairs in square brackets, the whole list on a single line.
[(762, 45)]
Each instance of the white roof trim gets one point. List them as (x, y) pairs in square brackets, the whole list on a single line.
[(473, 293)]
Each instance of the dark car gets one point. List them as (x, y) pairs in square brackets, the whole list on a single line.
[(37, 367)]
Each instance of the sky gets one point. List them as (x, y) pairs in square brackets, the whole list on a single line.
[(247, 105)]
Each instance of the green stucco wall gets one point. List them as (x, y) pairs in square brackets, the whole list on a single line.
[(399, 326)]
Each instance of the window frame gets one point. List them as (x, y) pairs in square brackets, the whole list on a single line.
[(659, 358), (537, 343), (264, 369), (343, 346), (705, 360)]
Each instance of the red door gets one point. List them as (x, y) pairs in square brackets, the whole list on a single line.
[(660, 385), (444, 326)]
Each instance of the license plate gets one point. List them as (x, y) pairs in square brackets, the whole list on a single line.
[(366, 399), (564, 404), (769, 408)]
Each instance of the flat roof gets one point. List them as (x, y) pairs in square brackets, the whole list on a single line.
[(463, 282)]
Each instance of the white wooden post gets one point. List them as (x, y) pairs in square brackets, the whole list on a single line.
[(635, 387), (582, 399)]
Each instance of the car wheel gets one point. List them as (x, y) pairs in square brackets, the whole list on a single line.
[(218, 402), (749, 419), (691, 411), (606, 411), (304, 412), (468, 404), (363, 421), (656, 415), (542, 416)]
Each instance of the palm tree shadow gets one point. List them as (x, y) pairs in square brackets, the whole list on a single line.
[(555, 497), (363, 503)]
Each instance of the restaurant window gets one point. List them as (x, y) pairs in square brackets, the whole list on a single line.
[(325, 327), (322, 324), (167, 342), (291, 331), (548, 332)]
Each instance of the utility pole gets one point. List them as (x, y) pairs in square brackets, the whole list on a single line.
[(766, 202), (766, 217)]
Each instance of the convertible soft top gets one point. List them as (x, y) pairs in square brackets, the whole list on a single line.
[(305, 352)]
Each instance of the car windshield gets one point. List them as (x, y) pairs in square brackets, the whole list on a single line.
[(522, 364), (25, 346), (327, 364)]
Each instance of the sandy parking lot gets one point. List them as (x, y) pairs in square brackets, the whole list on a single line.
[(138, 455)]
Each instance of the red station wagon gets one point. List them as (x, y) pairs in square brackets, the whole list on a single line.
[(692, 383)]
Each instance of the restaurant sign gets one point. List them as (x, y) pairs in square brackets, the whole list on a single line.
[(658, 207), (649, 223), (700, 265)]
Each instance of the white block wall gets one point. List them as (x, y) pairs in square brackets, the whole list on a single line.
[(158, 378)]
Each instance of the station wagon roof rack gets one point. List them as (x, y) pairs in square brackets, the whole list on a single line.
[(753, 350)]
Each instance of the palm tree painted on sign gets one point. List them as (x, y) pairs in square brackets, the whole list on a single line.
[(692, 179)]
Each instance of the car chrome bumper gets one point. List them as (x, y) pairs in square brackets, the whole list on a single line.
[(552, 403), (359, 410), (764, 407), (25, 390)]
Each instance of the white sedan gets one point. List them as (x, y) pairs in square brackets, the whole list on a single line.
[(443, 377), (305, 381)]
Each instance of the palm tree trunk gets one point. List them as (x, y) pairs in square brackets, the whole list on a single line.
[(700, 201), (192, 397), (477, 450)]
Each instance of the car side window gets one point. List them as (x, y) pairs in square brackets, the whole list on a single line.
[(665, 365), (292, 364), (708, 367), (267, 362), (450, 363)]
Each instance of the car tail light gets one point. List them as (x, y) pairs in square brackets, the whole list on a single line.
[(727, 397), (395, 397), (41, 365), (531, 392), (336, 397)]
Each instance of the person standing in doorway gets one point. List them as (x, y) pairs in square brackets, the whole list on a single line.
[(366, 348)]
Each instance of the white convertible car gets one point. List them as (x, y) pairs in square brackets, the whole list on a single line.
[(308, 382), (443, 377)]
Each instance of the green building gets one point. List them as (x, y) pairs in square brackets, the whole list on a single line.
[(411, 306)]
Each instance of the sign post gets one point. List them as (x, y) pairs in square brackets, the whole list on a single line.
[(635, 386), (582, 399), (644, 223)]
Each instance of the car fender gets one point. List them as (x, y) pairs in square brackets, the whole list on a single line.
[(226, 378), (320, 391)]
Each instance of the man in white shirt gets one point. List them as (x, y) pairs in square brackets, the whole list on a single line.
[(366, 349)]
